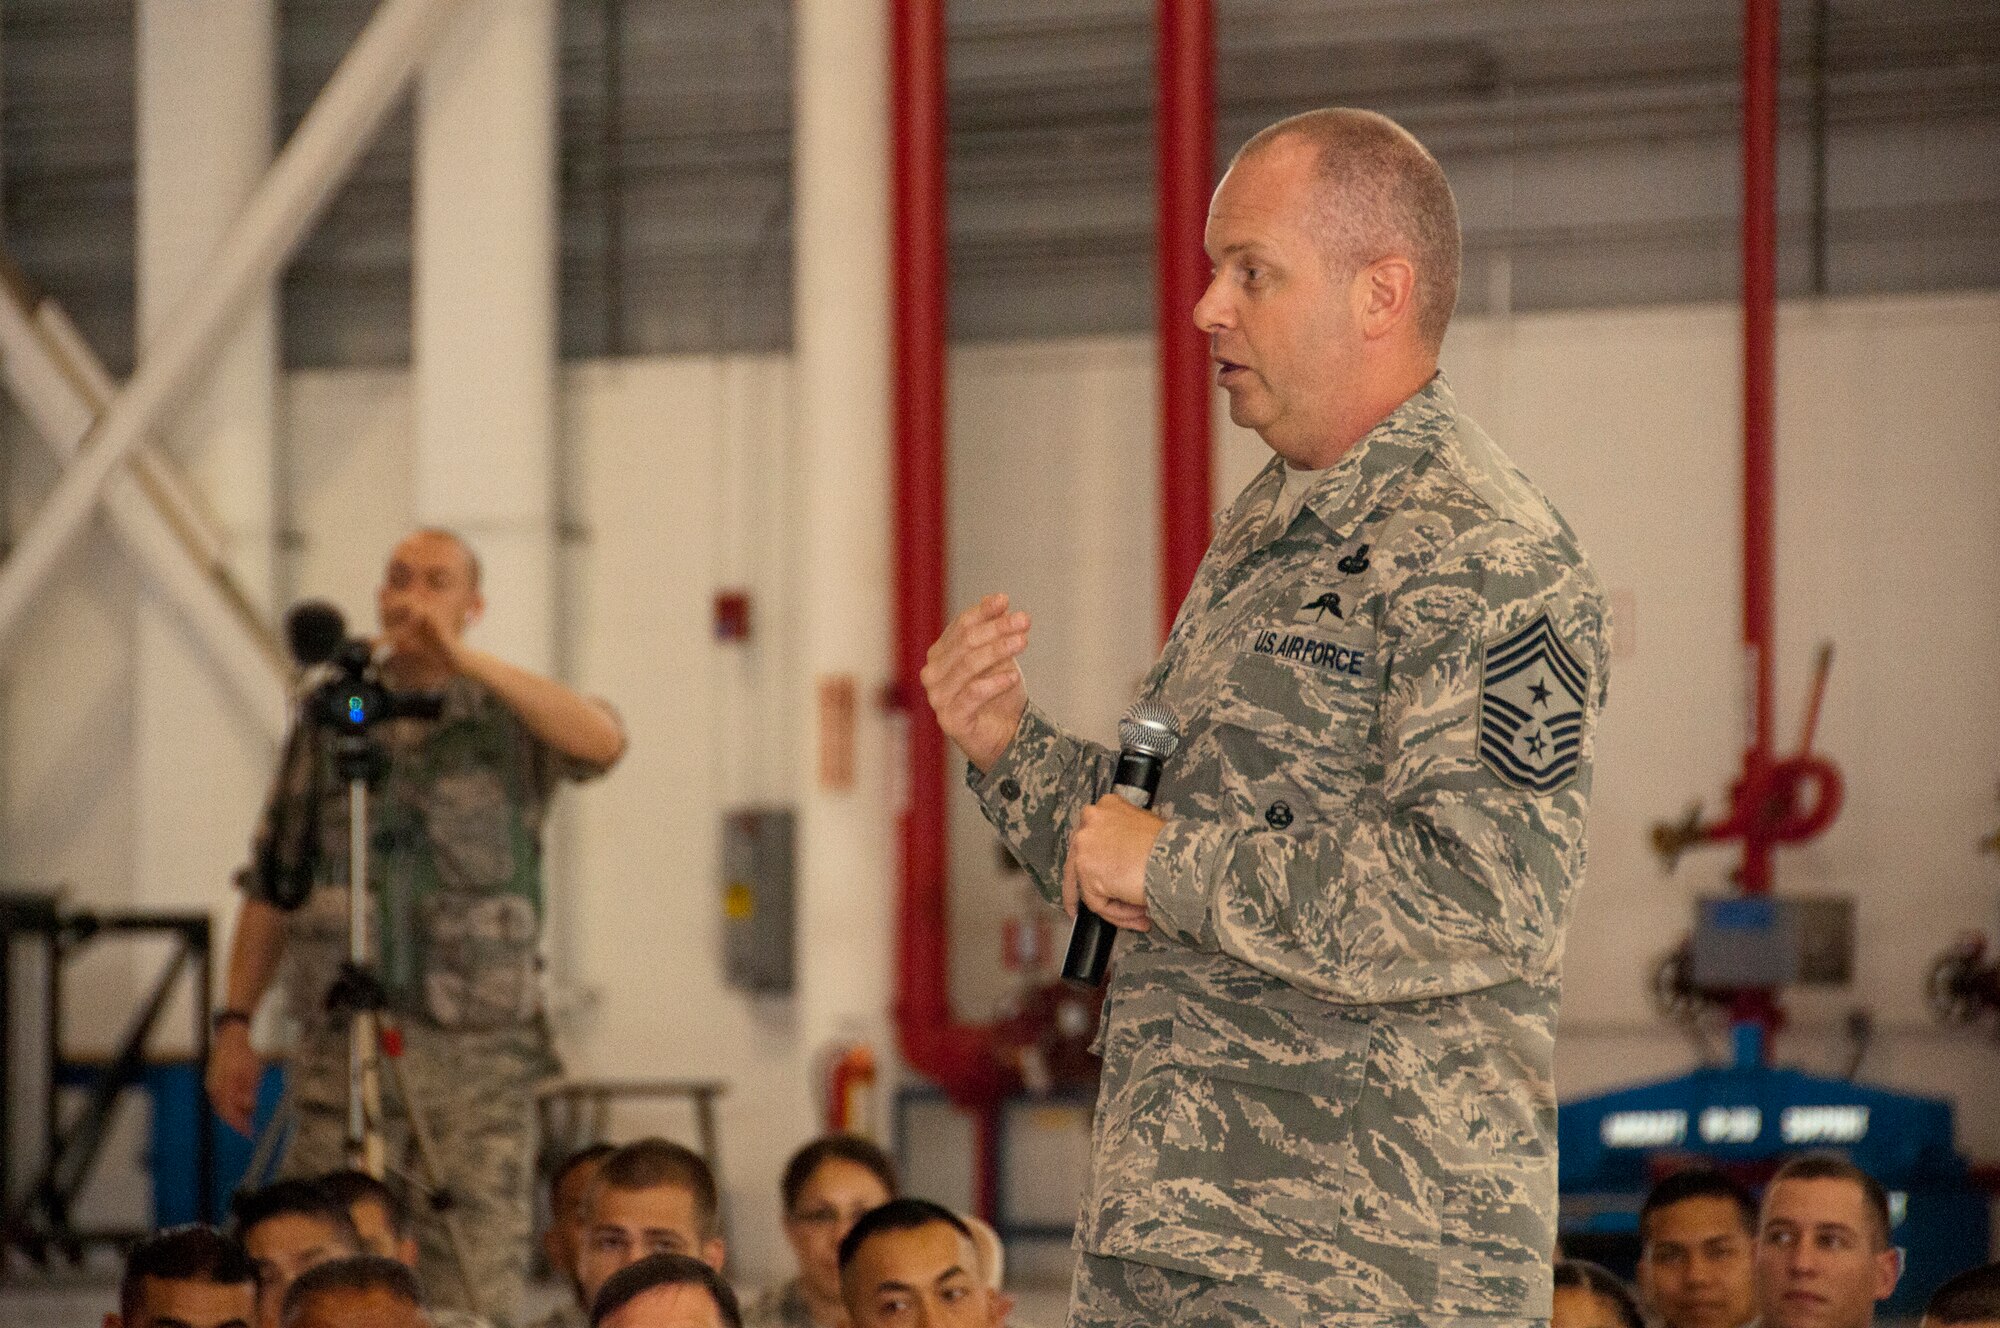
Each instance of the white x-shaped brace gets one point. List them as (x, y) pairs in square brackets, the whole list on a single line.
[(99, 430), (63, 388)]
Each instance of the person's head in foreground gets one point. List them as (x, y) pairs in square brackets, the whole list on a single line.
[(569, 1187), (1697, 1233), (912, 1262), (650, 1197), (1335, 242), (186, 1277), (288, 1227), (826, 1188), (666, 1291), (380, 1216), (1823, 1252), (1589, 1295), (365, 1291), (1970, 1300)]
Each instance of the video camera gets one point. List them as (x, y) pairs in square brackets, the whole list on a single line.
[(353, 699)]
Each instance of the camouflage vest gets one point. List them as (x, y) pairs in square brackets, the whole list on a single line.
[(454, 868)]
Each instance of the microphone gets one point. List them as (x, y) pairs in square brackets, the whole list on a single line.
[(1149, 733), (315, 631)]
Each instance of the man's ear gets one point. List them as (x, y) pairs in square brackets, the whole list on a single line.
[(1888, 1271), (406, 1252), (713, 1253), (1385, 296), (1003, 1305)]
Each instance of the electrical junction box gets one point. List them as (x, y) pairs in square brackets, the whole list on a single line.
[(1773, 941), (757, 899)]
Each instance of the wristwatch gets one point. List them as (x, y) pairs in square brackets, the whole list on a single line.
[(220, 1018)]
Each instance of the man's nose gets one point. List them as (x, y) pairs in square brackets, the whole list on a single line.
[(1211, 311)]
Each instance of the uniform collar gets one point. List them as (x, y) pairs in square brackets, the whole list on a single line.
[(1347, 490)]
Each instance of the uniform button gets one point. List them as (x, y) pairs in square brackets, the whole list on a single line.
[(1010, 789), (1278, 815)]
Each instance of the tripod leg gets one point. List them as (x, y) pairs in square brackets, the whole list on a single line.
[(366, 1149), (433, 1177)]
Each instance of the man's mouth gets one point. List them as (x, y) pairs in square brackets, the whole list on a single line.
[(1228, 371)]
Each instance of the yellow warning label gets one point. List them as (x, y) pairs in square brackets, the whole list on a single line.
[(739, 902)]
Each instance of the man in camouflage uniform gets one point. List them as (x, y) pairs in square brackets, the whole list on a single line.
[(455, 874), (1328, 1042)]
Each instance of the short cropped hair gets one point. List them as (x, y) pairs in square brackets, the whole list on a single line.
[(192, 1253), (1698, 1183), (898, 1215), (829, 1147), (1380, 192), (362, 1272), (1832, 1166), (351, 1187), (472, 568), (1583, 1275), (301, 1198), (647, 1163), (589, 1153), (1971, 1297), (662, 1270)]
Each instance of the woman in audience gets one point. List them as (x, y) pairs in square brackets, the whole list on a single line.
[(828, 1185), (1589, 1295)]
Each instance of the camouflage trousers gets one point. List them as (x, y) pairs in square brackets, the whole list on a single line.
[(476, 1092), (1118, 1293)]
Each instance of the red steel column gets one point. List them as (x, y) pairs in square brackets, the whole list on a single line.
[(1760, 300), (1184, 133)]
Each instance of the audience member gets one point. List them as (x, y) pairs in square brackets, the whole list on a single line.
[(826, 1188), (289, 1227), (912, 1261), (650, 1197), (666, 1291), (1970, 1300), (364, 1291), (1823, 1252), (186, 1277), (1589, 1295), (381, 1218), (1697, 1235), (992, 1253)]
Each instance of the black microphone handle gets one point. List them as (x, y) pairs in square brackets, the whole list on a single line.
[(1091, 937)]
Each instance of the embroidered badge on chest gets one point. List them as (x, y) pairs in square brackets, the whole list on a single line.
[(1531, 702)]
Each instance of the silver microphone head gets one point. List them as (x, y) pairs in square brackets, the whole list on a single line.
[(1150, 728)]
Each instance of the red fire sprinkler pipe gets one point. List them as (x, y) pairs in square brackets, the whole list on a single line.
[(1760, 335), (1184, 135), (1767, 804), (957, 1056)]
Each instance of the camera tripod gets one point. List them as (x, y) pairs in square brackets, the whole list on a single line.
[(349, 705), (374, 1042)]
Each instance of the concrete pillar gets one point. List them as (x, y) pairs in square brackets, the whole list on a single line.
[(484, 340), (205, 124), (841, 410)]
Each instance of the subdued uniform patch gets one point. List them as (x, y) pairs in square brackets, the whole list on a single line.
[(1328, 1067), (1532, 696)]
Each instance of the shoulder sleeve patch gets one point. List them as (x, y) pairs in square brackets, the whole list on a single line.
[(1531, 708)]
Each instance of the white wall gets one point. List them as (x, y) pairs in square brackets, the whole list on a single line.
[(675, 486)]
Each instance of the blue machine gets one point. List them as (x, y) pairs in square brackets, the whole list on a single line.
[(1747, 1119)]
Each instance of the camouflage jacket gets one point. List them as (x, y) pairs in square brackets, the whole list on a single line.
[(454, 863), (1329, 1063)]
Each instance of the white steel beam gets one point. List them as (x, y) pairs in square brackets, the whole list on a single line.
[(313, 164)]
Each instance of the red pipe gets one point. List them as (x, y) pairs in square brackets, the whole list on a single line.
[(957, 1056), (1184, 135), (1760, 306)]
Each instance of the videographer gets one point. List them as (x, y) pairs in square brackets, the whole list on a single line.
[(455, 818)]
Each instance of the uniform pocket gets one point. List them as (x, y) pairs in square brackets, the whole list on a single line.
[(480, 967), (1258, 1134)]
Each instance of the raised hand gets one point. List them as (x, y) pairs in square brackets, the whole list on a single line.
[(973, 679)]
